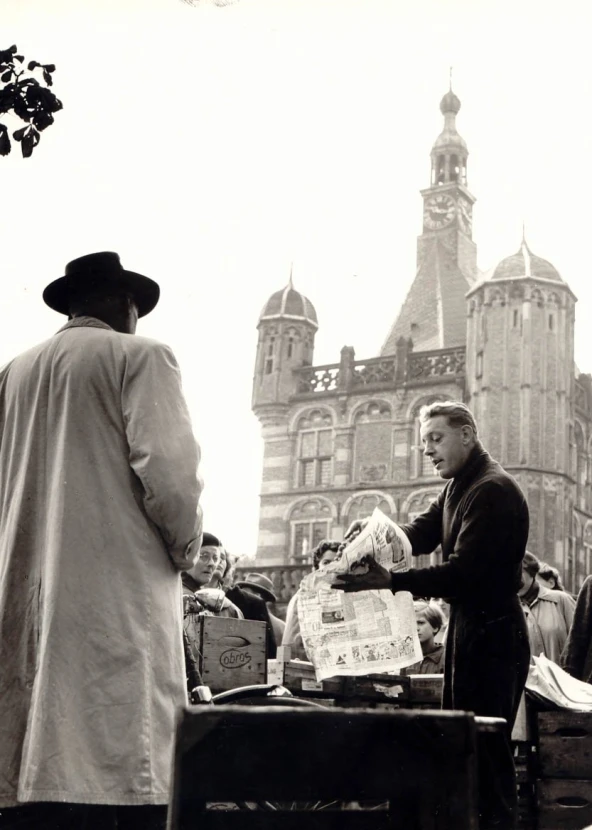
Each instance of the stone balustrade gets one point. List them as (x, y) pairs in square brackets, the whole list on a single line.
[(404, 367)]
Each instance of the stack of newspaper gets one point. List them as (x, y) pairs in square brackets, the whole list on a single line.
[(366, 632), (548, 681)]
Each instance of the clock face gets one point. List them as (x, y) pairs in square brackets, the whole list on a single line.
[(439, 211)]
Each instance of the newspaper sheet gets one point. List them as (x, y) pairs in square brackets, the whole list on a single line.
[(368, 632), (551, 682)]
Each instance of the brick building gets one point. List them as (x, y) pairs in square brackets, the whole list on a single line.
[(343, 438)]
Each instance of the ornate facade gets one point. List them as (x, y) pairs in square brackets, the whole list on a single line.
[(343, 438)]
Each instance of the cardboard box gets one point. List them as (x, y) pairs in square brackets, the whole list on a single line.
[(231, 652)]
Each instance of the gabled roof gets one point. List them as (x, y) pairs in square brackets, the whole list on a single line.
[(433, 314)]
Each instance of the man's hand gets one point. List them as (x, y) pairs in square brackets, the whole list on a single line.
[(375, 579), (355, 529)]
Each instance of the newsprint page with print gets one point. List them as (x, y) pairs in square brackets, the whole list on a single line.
[(369, 632)]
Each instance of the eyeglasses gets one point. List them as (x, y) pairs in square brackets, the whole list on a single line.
[(205, 555)]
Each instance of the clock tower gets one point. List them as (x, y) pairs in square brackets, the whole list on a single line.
[(447, 202), (433, 314)]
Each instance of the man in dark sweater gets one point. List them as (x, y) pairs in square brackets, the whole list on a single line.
[(481, 520)]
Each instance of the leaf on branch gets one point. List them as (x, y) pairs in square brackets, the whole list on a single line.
[(4, 141), (18, 134), (47, 78), (6, 99), (31, 65), (19, 58), (29, 142), (43, 119), (7, 76), (49, 66), (6, 55)]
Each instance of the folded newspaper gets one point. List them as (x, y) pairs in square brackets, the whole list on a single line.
[(547, 680), (365, 632)]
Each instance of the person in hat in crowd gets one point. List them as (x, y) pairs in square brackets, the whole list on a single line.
[(99, 515), (199, 600), (549, 614), (325, 552), (576, 657), (429, 622), (252, 605), (550, 577), (481, 520), (200, 597), (262, 587)]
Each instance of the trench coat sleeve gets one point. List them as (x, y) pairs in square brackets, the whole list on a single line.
[(425, 531), (163, 452), (488, 520), (568, 606), (579, 641)]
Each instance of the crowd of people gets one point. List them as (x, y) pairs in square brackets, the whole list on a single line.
[(105, 571)]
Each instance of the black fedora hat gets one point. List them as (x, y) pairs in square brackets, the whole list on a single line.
[(259, 584), (101, 271)]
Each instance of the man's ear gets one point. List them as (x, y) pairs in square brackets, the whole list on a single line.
[(467, 433)]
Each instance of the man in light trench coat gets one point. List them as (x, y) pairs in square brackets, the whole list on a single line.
[(99, 514)]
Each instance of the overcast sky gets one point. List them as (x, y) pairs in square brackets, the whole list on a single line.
[(213, 146)]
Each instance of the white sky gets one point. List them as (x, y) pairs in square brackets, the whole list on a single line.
[(211, 146)]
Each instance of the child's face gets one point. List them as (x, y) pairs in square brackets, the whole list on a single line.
[(425, 632)]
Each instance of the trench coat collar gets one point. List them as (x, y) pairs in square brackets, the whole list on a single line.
[(546, 594), (88, 322)]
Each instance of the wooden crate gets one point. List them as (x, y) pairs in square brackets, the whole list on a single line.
[(426, 690), (564, 804), (299, 677), (565, 744), (231, 652)]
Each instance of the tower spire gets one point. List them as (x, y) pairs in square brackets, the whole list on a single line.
[(449, 153), (291, 281)]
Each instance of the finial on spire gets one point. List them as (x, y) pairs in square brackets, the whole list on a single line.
[(450, 78), (290, 281)]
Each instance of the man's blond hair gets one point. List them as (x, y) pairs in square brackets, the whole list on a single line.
[(456, 413)]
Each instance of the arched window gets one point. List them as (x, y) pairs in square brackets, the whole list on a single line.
[(417, 503), (588, 549), (310, 523), (373, 442), (269, 356), (537, 298), (454, 168), (581, 464), (315, 450), (363, 506), (441, 170), (292, 339)]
